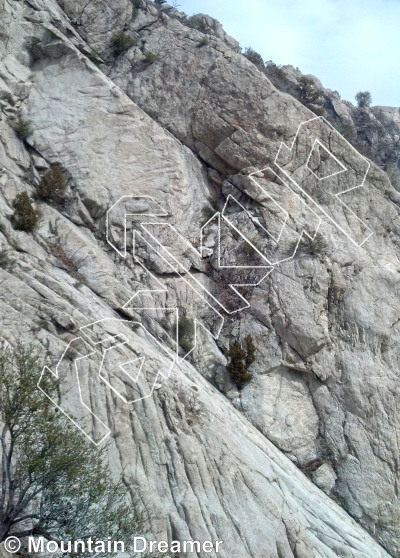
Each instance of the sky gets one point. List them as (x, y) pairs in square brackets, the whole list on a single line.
[(350, 45)]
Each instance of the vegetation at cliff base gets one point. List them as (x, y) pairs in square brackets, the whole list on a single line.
[(54, 482)]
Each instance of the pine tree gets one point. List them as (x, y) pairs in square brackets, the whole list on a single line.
[(25, 216)]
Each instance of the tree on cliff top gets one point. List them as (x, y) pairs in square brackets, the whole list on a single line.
[(364, 99)]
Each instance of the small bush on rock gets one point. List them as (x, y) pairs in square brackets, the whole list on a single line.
[(246, 248), (310, 96), (185, 332), (348, 131), (240, 360), (23, 128), (203, 42), (160, 2), (25, 216), (207, 212), (95, 57), (197, 22), (251, 349), (121, 42), (315, 246), (53, 185), (210, 209), (276, 74), (150, 56), (254, 57), (5, 261)]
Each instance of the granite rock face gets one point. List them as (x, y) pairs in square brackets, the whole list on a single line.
[(177, 127)]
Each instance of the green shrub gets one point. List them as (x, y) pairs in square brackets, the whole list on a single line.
[(364, 99), (208, 212), (53, 475), (198, 22), (185, 332), (315, 246), (5, 261), (121, 42), (150, 56), (44, 324), (160, 2), (186, 326), (272, 69), (234, 233), (277, 76), (307, 87), (186, 345), (53, 185), (95, 57), (210, 209), (251, 349), (23, 128), (348, 131), (254, 57), (318, 110), (309, 95), (203, 42), (246, 248), (240, 360), (25, 216)]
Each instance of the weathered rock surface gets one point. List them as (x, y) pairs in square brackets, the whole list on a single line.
[(182, 128)]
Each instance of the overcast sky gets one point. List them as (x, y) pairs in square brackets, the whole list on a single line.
[(350, 45)]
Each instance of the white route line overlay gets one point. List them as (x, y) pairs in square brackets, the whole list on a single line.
[(128, 306), (121, 341), (161, 212), (337, 196)]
